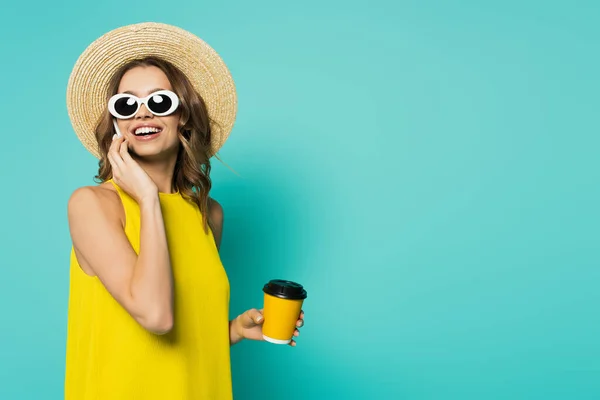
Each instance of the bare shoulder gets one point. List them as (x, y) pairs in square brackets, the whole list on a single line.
[(102, 199), (94, 213), (215, 211), (216, 217)]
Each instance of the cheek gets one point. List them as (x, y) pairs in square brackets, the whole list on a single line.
[(122, 124), (172, 123)]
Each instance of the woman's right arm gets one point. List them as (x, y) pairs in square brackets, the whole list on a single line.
[(142, 284)]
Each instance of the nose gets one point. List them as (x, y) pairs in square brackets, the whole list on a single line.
[(143, 112)]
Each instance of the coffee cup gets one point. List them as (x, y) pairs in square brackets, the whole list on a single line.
[(282, 306)]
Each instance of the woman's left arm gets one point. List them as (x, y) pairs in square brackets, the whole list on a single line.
[(216, 218), (249, 324)]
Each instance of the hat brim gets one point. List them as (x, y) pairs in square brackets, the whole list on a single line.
[(86, 89)]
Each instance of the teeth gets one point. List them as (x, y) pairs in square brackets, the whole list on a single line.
[(146, 129)]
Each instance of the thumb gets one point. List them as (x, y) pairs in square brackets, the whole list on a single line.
[(255, 316)]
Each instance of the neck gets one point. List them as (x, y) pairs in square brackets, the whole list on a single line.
[(160, 171)]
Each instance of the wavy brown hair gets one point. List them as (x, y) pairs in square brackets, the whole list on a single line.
[(191, 176)]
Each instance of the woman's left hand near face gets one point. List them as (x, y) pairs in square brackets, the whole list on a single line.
[(250, 325)]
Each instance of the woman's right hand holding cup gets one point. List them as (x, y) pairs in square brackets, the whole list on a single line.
[(128, 174)]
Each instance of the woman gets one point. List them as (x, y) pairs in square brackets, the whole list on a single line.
[(149, 298)]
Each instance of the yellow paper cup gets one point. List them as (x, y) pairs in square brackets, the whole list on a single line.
[(282, 306)]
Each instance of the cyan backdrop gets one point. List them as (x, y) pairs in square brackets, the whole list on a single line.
[(427, 169)]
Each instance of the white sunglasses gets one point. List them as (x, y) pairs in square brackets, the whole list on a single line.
[(159, 103)]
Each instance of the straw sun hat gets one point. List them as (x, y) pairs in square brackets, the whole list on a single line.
[(86, 90)]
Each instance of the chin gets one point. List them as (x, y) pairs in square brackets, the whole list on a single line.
[(151, 150)]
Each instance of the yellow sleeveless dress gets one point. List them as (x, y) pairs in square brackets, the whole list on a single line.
[(109, 356)]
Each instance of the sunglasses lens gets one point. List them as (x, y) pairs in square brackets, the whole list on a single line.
[(160, 103), (126, 106)]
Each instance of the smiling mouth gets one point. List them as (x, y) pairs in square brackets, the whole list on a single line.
[(146, 130)]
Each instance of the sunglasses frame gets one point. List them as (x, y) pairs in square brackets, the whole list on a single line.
[(139, 101)]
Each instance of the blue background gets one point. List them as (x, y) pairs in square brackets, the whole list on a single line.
[(428, 170)]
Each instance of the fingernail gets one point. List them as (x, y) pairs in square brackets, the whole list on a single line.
[(114, 136), (259, 318)]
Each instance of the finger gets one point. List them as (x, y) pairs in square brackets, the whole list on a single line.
[(296, 332), (293, 343), (115, 142), (301, 315), (116, 169), (124, 151), (300, 323), (259, 317), (117, 159), (255, 316)]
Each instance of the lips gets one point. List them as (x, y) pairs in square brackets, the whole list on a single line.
[(146, 130)]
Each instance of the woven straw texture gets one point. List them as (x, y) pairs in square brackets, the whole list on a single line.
[(86, 89)]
